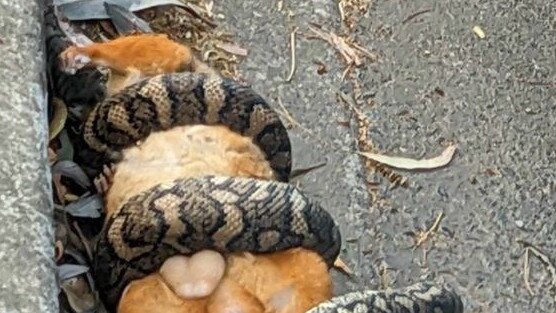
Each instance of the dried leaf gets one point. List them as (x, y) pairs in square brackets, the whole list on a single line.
[(59, 118), (292, 47), (79, 295), (126, 21), (52, 156), (232, 48), (90, 206), (342, 266), (412, 164), (59, 250), (75, 36), (66, 150), (71, 170), (78, 10), (78, 256), (67, 271), (60, 189)]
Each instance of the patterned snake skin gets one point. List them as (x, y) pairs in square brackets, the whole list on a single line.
[(227, 214), (180, 99)]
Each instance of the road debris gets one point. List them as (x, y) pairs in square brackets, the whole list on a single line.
[(479, 32), (352, 10), (302, 171), (414, 15), (423, 236), (364, 144), (321, 67), (232, 48), (340, 265), (549, 265), (292, 46), (412, 164), (352, 53)]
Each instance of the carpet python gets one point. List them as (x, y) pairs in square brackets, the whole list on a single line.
[(227, 214)]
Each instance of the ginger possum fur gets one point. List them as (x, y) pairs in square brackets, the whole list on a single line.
[(132, 58), (289, 281)]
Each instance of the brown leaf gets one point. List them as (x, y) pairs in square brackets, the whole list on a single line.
[(232, 48), (342, 266), (59, 248), (52, 156), (60, 189), (79, 295)]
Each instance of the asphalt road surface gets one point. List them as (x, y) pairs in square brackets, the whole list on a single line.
[(435, 82)]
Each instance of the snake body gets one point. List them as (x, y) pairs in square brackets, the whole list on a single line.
[(228, 214), (417, 298), (179, 99)]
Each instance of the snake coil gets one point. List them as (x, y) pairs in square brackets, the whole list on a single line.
[(227, 214)]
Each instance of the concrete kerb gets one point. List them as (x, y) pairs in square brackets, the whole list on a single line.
[(28, 271)]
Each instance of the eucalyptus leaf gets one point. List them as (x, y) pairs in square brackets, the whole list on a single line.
[(79, 295), (67, 271), (125, 21), (78, 256), (59, 118), (65, 153), (75, 36), (90, 206), (80, 10), (72, 170)]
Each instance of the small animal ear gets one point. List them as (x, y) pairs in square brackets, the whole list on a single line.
[(71, 60)]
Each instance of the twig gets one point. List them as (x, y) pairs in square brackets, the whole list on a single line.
[(348, 69), (526, 273), (351, 104), (422, 237), (364, 144), (286, 114), (292, 43), (342, 12), (303, 171), (538, 83), (529, 247), (414, 15), (348, 51)]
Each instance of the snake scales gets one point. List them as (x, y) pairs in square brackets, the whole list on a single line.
[(227, 214)]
